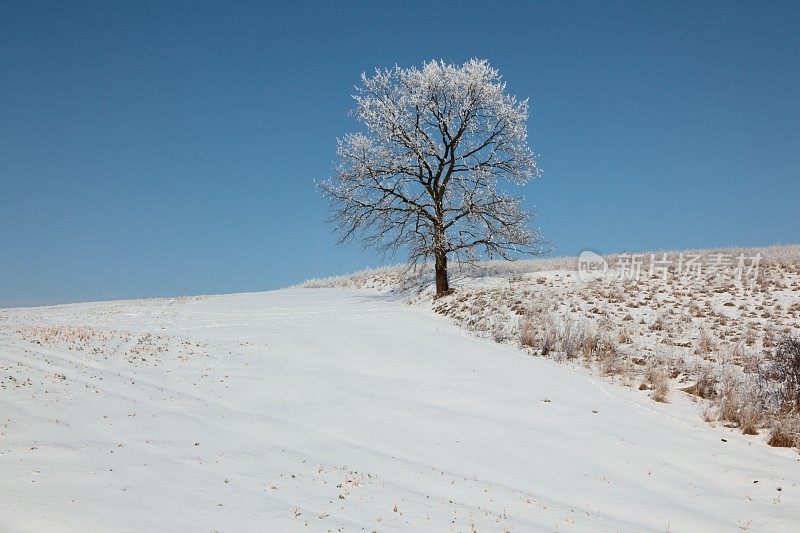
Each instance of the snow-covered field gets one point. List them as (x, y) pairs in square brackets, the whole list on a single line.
[(346, 410)]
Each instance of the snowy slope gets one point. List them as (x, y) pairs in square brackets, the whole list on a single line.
[(708, 330), (333, 409)]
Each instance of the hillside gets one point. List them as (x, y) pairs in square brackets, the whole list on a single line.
[(347, 410), (703, 322)]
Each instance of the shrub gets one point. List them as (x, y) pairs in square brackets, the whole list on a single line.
[(730, 398), (571, 338), (743, 401), (609, 357), (705, 343), (785, 370), (750, 418), (657, 379), (527, 333), (705, 386), (785, 432), (589, 343), (538, 331)]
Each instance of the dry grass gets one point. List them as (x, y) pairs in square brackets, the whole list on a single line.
[(528, 333), (729, 402), (624, 336), (785, 432), (705, 385), (539, 331), (705, 343), (657, 380), (752, 417), (609, 358), (55, 335)]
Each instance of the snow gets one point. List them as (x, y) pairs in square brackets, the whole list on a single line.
[(329, 409)]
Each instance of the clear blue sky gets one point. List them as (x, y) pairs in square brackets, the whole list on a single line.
[(165, 148)]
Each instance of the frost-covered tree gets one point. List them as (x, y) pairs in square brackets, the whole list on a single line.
[(426, 175)]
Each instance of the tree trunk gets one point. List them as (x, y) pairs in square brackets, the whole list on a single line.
[(442, 282)]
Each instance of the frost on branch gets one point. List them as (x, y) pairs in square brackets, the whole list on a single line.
[(426, 174)]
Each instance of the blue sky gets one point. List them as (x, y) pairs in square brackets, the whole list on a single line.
[(165, 148)]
